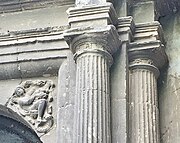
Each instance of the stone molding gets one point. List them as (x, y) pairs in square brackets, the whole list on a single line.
[(33, 35), (126, 28), (92, 13), (38, 47), (150, 31), (7, 6), (148, 44)]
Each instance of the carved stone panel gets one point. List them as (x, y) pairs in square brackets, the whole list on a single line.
[(33, 101)]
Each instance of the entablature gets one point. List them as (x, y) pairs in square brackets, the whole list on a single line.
[(20, 5)]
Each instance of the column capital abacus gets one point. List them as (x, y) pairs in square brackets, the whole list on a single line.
[(104, 41)]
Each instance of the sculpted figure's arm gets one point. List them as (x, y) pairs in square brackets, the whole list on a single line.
[(26, 100)]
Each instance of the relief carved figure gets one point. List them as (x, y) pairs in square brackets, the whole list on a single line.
[(32, 100)]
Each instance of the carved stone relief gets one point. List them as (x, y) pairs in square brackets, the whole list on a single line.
[(33, 100)]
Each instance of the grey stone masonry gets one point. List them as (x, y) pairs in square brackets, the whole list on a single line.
[(93, 49), (146, 56)]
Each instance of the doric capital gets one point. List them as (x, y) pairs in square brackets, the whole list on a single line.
[(147, 64), (148, 46), (153, 51), (104, 40)]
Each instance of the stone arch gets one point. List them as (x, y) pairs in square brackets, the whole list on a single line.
[(14, 129)]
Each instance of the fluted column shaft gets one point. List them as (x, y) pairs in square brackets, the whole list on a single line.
[(143, 109), (93, 115)]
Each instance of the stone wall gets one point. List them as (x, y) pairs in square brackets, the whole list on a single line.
[(169, 85), (33, 48)]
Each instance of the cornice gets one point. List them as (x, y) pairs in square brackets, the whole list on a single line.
[(23, 53), (32, 35), (126, 28), (149, 31), (148, 44), (125, 22), (20, 5), (92, 13)]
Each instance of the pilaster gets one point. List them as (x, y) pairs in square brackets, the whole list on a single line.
[(120, 82), (146, 57)]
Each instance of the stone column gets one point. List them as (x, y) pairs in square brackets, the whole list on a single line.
[(144, 114), (146, 57), (93, 49)]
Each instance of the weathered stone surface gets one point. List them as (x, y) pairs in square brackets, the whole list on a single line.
[(42, 55), (143, 11), (40, 52), (120, 83), (66, 101), (167, 7), (92, 52), (34, 19), (8, 86), (145, 58), (34, 101), (169, 84), (143, 107), (7, 6), (92, 16), (121, 7)]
